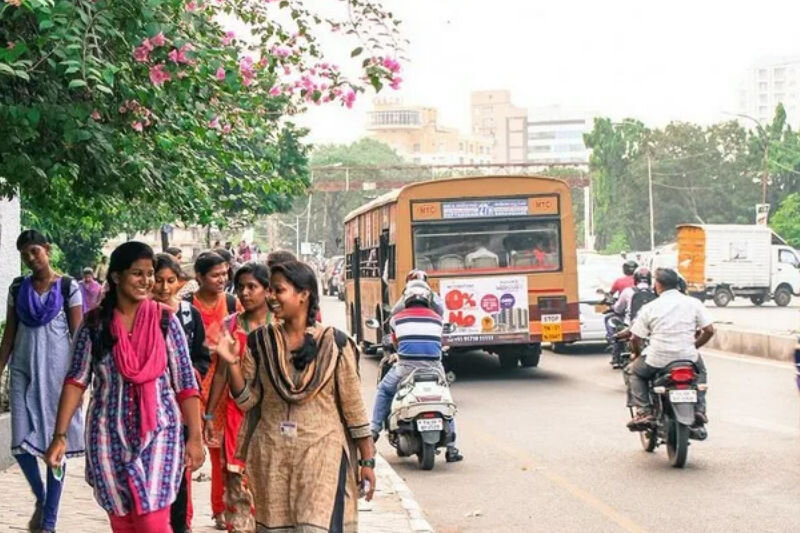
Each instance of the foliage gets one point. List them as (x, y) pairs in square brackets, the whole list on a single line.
[(4, 379), (123, 114), (786, 220)]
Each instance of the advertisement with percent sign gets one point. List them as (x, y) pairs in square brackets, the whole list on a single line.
[(490, 310)]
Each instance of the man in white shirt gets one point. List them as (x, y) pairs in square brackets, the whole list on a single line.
[(677, 325)]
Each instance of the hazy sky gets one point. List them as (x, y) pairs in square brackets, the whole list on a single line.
[(678, 60)]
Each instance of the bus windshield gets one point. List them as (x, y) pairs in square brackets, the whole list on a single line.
[(485, 245)]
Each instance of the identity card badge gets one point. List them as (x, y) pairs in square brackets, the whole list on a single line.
[(289, 429)]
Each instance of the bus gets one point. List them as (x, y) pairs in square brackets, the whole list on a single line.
[(499, 250)]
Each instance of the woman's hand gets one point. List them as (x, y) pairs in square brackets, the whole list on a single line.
[(209, 435), (195, 454), (227, 348), (368, 476), (54, 457)]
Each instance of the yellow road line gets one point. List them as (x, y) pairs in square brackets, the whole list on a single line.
[(529, 461)]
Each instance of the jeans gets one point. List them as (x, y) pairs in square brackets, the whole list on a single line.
[(616, 346), (639, 374), (388, 387), (49, 499)]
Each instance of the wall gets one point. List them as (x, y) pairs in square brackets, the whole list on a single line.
[(9, 231)]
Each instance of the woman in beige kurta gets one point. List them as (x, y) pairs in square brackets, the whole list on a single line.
[(298, 382)]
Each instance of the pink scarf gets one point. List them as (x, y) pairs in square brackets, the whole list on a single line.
[(141, 358)]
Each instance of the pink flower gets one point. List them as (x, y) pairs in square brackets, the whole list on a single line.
[(11, 45), (287, 70), (214, 123), (348, 99), (263, 62), (157, 74), (95, 115), (395, 84), (15, 3), (191, 6), (220, 74), (122, 110), (226, 128), (178, 55), (146, 44), (247, 82), (275, 91), (391, 64), (137, 126), (141, 54), (229, 36), (158, 39)]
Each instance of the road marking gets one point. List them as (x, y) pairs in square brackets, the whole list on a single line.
[(753, 360), (532, 464)]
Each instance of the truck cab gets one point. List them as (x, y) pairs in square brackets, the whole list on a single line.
[(785, 274)]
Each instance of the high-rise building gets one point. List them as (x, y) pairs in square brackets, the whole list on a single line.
[(415, 133), (768, 83), (555, 134), (496, 117)]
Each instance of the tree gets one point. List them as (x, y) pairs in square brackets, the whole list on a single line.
[(132, 113), (786, 220)]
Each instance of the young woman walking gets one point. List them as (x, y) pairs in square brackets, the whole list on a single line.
[(301, 382), (44, 309), (252, 284), (134, 353)]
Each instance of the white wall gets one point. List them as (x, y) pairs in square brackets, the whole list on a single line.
[(9, 257)]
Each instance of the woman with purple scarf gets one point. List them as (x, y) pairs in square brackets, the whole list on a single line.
[(43, 312)]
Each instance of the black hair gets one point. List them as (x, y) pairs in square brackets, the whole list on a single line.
[(280, 256), (29, 237), (174, 251), (667, 278), (223, 253), (302, 277), (168, 260), (257, 270), (206, 261), (122, 258)]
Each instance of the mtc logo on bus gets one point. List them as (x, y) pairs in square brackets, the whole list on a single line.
[(454, 301)]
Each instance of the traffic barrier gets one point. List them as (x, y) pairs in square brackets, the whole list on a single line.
[(755, 343)]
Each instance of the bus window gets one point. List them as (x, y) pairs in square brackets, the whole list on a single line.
[(487, 245)]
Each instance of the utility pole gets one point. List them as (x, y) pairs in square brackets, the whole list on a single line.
[(765, 174), (650, 191)]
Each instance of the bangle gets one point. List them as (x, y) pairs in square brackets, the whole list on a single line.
[(59, 436), (208, 416), (368, 463)]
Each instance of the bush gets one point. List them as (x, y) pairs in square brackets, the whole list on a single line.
[(4, 379)]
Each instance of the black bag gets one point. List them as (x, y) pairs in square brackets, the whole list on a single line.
[(65, 281), (639, 299)]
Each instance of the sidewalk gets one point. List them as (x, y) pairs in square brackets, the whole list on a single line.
[(393, 510)]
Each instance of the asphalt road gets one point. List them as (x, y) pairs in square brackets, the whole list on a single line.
[(768, 317), (547, 450)]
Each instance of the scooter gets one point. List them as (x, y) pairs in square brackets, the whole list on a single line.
[(419, 422)]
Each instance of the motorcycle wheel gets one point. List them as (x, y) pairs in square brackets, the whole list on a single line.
[(427, 456), (649, 440), (677, 444)]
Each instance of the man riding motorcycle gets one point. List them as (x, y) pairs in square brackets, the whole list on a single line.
[(419, 275), (677, 325), (619, 285), (633, 298), (417, 332)]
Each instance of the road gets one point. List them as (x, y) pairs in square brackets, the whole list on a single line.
[(547, 450), (769, 317)]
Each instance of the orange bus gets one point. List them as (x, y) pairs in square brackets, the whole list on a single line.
[(499, 250)]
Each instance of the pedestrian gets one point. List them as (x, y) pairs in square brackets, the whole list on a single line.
[(101, 270), (136, 351), (44, 309), (252, 284), (175, 252), (90, 290), (279, 256), (168, 276), (244, 253), (214, 304), (230, 259), (301, 382)]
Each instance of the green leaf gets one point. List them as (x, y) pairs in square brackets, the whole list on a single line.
[(356, 51), (104, 89), (45, 24), (74, 84), (5, 69), (22, 74)]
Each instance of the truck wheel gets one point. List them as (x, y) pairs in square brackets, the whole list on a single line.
[(782, 296), (530, 355), (508, 361), (757, 300), (722, 297)]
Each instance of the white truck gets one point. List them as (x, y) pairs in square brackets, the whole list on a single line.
[(726, 261)]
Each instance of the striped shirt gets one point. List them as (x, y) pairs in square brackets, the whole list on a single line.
[(418, 331)]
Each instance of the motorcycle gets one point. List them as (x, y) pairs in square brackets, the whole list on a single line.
[(419, 422), (617, 323), (673, 395)]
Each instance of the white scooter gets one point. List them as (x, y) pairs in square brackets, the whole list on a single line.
[(422, 411)]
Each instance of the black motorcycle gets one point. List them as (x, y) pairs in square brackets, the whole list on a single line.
[(673, 395)]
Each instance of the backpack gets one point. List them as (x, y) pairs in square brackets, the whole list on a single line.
[(184, 314), (230, 302), (640, 298), (65, 281)]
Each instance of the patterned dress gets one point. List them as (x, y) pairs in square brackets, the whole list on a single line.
[(129, 472)]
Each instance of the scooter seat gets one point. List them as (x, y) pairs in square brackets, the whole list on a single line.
[(420, 377)]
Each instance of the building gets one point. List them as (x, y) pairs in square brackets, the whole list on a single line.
[(768, 83), (555, 134), (496, 117), (415, 133), (9, 231)]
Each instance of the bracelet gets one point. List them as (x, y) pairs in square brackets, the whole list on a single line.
[(208, 416), (368, 463), (59, 436)]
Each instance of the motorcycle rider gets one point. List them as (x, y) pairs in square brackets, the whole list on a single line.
[(677, 325), (633, 298), (419, 275), (619, 285), (417, 330)]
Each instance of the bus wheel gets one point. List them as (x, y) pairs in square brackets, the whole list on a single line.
[(508, 361), (530, 355)]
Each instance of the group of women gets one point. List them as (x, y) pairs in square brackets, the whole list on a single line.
[(272, 394)]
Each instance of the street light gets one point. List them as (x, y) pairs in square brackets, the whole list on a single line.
[(765, 143)]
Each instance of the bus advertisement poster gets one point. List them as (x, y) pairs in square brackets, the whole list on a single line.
[(486, 310)]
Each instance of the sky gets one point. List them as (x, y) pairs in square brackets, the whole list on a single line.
[(655, 61)]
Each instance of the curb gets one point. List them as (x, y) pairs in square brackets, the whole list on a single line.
[(767, 345), (416, 519)]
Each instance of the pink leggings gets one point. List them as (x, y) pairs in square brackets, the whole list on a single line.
[(155, 522)]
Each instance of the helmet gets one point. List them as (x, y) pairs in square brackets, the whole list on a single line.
[(417, 274), (417, 292), (642, 275), (629, 266)]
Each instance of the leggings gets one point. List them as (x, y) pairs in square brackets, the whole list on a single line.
[(50, 498), (155, 522)]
